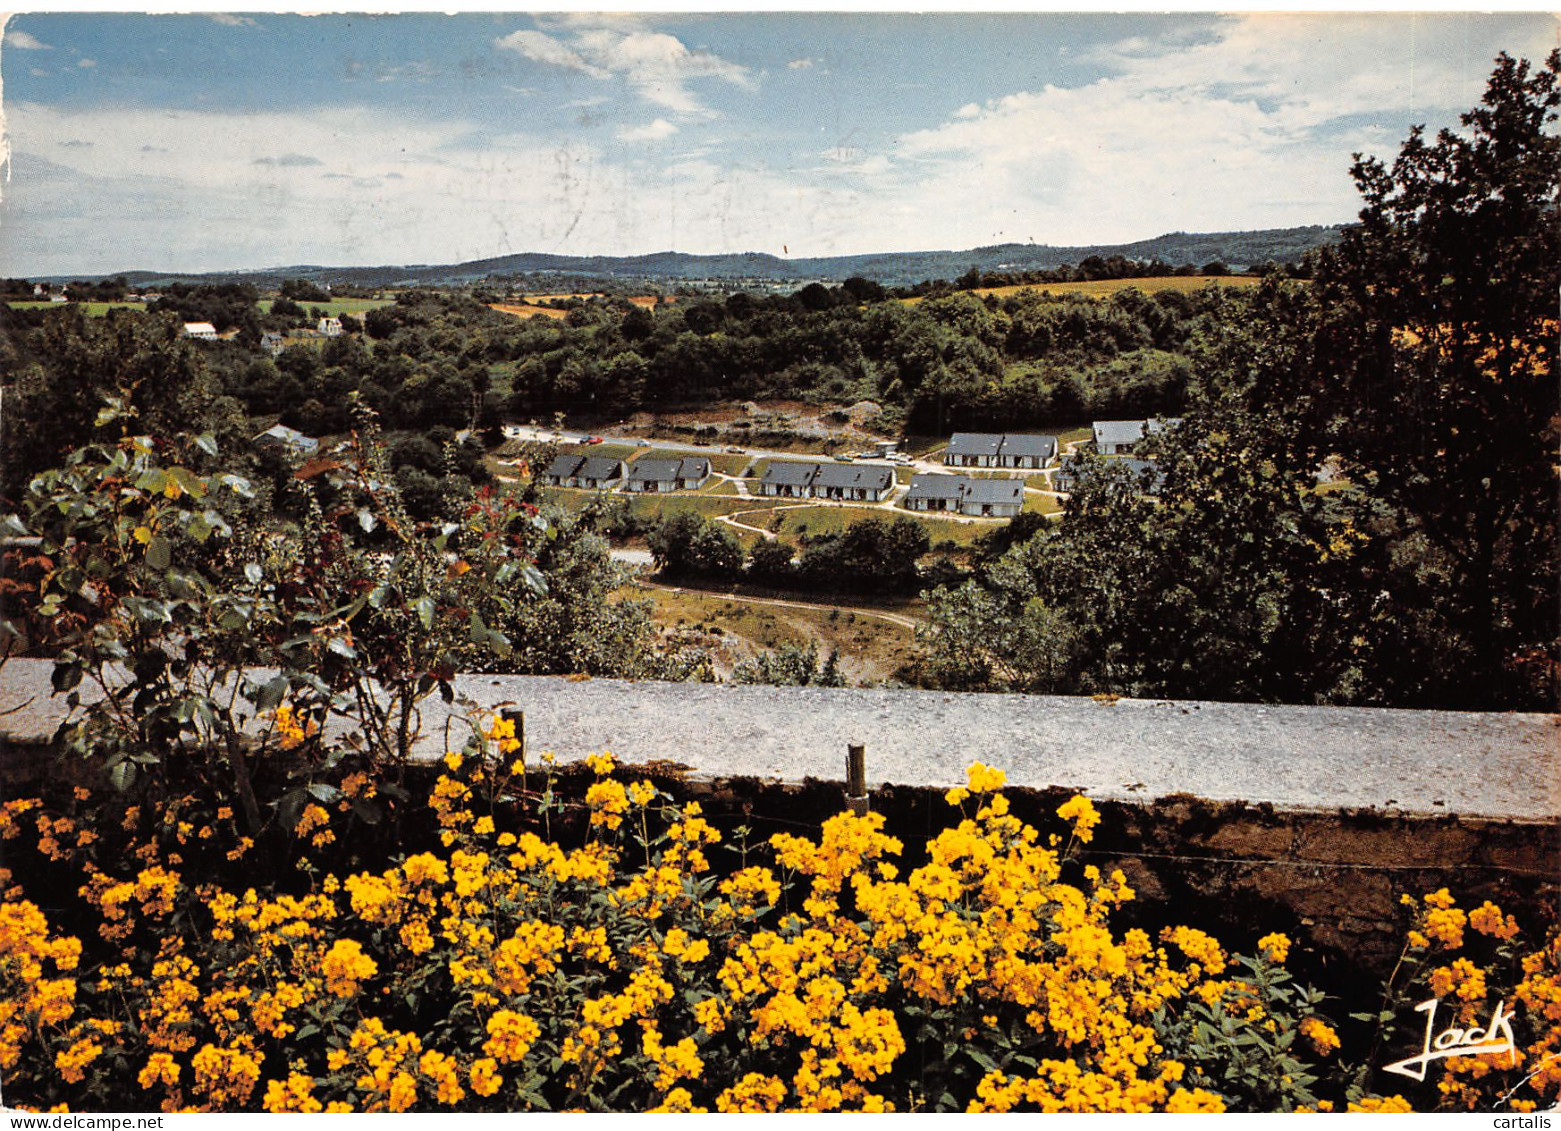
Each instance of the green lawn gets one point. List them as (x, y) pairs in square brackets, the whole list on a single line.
[(1042, 504), (610, 451), (727, 463)]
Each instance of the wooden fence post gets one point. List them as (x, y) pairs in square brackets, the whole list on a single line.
[(856, 779)]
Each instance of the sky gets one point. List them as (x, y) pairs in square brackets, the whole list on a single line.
[(222, 141)]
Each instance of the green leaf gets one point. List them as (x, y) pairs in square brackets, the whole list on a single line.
[(253, 572), (159, 554), (271, 694), (342, 647), (324, 792), (66, 676), (207, 443), (425, 610), (122, 776)]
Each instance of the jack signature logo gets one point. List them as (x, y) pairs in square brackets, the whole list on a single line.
[(1494, 1038)]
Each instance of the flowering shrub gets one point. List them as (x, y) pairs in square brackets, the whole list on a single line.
[(614, 966)]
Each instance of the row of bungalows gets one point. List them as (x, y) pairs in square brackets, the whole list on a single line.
[(967, 495), (590, 472), (653, 476), (994, 449), (855, 483), (1145, 471), (1120, 437)]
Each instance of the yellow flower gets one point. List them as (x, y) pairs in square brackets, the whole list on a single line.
[(1323, 1038), (345, 966), (510, 1036), (984, 779), (1082, 813), (1276, 947), (484, 1076)]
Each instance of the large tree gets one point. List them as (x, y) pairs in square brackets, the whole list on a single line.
[(1443, 323)]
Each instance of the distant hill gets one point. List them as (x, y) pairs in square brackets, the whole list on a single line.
[(1238, 250)]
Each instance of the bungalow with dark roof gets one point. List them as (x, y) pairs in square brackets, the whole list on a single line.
[(563, 470), (651, 476), (972, 449), (1028, 452), (599, 471), (967, 495), (787, 479), (992, 498), (933, 493), (856, 483), (1120, 437), (1146, 472)]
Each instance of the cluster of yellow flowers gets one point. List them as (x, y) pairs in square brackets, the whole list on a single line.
[(1531, 1073), (508, 970), (292, 730)]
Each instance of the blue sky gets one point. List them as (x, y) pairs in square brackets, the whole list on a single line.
[(203, 142)]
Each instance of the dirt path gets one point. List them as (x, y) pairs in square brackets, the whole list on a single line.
[(899, 619)]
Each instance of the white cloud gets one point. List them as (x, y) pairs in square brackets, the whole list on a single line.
[(86, 62), (23, 41), (799, 64), (541, 48), (655, 65), (659, 130), (228, 19)]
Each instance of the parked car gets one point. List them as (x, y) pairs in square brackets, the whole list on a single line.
[(736, 451)]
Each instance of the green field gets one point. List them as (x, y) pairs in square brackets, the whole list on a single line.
[(336, 307), (95, 309), (1105, 288)]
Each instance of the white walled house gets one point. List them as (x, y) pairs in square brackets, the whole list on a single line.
[(1027, 452), (787, 479), (972, 449), (967, 495), (200, 331), (652, 476), (859, 483)]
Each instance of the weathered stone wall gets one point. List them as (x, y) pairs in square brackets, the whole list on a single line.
[(1244, 818)]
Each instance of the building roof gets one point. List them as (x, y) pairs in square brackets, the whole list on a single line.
[(994, 492), (647, 470), (974, 444), (665, 470), (787, 473), (564, 466), (193, 328), (925, 486), (1043, 447), (1144, 467), (600, 467), (866, 476), (1119, 431)]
